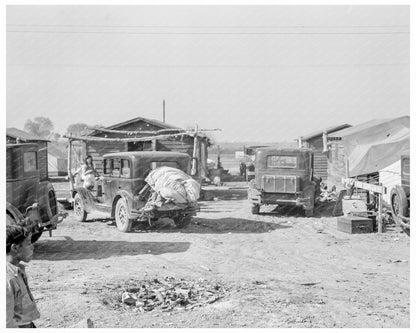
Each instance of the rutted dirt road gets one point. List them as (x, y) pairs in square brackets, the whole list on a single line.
[(282, 271)]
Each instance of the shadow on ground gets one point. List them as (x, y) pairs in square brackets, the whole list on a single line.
[(69, 249), (221, 226)]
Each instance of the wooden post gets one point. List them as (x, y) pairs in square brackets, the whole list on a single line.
[(70, 177), (194, 154), (154, 144), (380, 218), (163, 110)]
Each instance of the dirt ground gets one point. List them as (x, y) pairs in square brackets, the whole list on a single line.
[(281, 270)]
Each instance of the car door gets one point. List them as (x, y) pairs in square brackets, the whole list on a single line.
[(111, 179)]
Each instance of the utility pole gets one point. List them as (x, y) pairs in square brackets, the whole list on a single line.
[(163, 110)]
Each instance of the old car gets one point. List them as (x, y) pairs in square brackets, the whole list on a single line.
[(30, 202), (400, 197), (284, 177), (122, 192)]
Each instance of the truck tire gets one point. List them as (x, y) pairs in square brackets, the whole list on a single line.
[(48, 205), (122, 215), (255, 209), (79, 211), (398, 201), (182, 221)]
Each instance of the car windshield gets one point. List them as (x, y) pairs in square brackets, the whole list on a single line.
[(281, 162)]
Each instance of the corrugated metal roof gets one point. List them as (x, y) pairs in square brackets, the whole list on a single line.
[(327, 130), (22, 135)]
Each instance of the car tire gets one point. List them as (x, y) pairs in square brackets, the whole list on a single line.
[(182, 221), (10, 220), (79, 211), (398, 200), (255, 209), (122, 215), (48, 205)]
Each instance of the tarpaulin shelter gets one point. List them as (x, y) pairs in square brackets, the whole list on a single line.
[(374, 145)]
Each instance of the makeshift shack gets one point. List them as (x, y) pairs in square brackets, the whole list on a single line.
[(370, 151), (57, 159), (317, 141), (141, 134)]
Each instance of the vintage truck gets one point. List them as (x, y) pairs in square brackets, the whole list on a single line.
[(30, 202), (284, 177), (400, 197), (122, 192)]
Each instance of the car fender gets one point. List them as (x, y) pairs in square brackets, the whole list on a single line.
[(122, 194), (87, 198), (14, 212)]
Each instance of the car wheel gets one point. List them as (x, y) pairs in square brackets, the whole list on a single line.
[(398, 200), (123, 220), (10, 220), (255, 209), (79, 211), (48, 205), (400, 206), (182, 221)]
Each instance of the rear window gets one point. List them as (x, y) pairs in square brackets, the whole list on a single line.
[(112, 167), (281, 162), (30, 161)]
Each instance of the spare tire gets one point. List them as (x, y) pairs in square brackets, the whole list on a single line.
[(398, 201), (48, 205)]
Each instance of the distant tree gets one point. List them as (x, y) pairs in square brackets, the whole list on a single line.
[(40, 126), (54, 136), (78, 129)]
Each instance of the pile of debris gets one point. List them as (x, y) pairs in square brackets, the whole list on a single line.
[(169, 293), (328, 194)]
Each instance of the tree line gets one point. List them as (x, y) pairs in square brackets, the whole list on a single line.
[(43, 127)]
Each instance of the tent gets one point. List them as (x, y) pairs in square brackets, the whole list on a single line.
[(374, 145)]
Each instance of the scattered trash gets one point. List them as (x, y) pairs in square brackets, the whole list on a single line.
[(328, 195), (309, 283), (166, 294), (205, 267), (397, 260)]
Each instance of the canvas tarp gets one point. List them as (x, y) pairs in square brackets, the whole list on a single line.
[(374, 145)]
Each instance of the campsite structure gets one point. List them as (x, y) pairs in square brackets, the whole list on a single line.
[(140, 134)]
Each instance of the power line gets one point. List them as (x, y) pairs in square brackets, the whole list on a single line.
[(205, 33), (208, 66), (208, 27)]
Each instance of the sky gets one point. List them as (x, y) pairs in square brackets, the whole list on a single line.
[(259, 73)]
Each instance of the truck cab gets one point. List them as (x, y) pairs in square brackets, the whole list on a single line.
[(284, 177)]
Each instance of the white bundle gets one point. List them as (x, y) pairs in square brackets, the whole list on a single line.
[(173, 184)]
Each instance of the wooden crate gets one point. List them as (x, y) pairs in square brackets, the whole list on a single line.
[(355, 224)]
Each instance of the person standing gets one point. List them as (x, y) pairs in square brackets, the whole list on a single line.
[(21, 309)]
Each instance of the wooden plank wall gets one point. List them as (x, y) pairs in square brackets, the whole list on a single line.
[(320, 161), (186, 145), (336, 164), (98, 149)]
